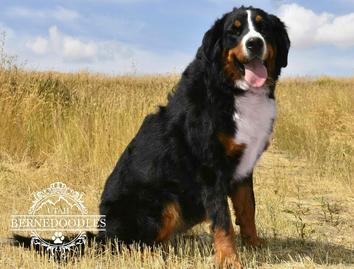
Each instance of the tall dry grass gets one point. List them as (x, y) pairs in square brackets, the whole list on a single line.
[(80, 119), (316, 122), (73, 127)]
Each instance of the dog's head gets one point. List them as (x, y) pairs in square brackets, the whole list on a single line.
[(250, 45)]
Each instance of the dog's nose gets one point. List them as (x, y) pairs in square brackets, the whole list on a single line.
[(255, 45)]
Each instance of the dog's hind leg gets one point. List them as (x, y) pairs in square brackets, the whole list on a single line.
[(171, 221)]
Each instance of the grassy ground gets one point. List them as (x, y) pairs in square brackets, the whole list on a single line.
[(73, 127)]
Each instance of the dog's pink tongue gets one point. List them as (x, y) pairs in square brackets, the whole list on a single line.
[(255, 73)]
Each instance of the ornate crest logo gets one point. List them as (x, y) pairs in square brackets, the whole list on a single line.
[(58, 220)]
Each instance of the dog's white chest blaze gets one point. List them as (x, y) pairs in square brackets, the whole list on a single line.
[(254, 117)]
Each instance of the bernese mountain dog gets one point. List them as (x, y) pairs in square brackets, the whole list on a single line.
[(202, 147)]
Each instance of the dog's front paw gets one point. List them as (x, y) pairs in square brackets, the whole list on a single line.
[(227, 260), (253, 242)]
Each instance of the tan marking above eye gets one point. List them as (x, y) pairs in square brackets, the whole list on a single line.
[(237, 23), (259, 18)]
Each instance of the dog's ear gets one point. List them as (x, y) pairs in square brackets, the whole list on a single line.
[(282, 41), (212, 38)]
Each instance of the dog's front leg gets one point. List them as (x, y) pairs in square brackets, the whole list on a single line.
[(215, 201), (243, 201)]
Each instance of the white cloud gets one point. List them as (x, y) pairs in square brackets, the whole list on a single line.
[(339, 31), (60, 51), (38, 45), (307, 29), (58, 13), (66, 46), (74, 49)]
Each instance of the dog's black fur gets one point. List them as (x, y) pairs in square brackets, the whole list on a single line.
[(176, 156)]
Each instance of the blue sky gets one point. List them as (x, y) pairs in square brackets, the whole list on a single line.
[(161, 36)]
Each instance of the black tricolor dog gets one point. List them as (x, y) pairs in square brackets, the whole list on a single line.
[(202, 147)]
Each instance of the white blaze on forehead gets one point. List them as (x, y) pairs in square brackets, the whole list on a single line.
[(251, 34)]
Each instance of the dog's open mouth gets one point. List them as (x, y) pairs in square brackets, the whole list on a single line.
[(255, 72)]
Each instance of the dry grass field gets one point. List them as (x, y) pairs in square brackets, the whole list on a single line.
[(73, 127)]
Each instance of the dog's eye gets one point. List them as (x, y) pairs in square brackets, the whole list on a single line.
[(232, 36), (261, 27), (234, 32)]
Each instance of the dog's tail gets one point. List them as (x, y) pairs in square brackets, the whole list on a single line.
[(20, 240)]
